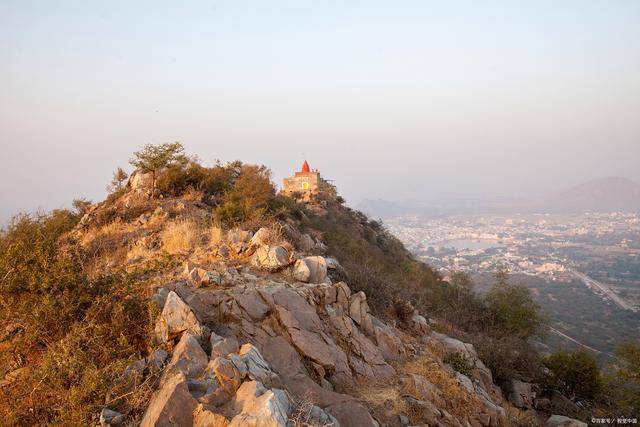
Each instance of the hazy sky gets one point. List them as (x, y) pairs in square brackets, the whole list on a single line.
[(391, 99)]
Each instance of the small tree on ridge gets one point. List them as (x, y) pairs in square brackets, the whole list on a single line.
[(153, 158)]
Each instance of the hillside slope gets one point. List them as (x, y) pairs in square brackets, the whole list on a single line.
[(261, 311), (266, 310)]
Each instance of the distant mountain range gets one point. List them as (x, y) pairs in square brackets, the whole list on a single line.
[(599, 195)]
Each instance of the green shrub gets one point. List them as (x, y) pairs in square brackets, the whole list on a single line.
[(575, 374), (177, 179), (513, 311), (249, 198), (622, 389), (459, 363), (73, 333), (508, 357)]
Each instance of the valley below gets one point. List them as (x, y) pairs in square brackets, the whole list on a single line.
[(583, 269)]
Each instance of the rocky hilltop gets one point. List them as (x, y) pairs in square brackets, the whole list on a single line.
[(264, 322), (260, 329)]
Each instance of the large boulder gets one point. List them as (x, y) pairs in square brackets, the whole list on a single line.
[(271, 258), (522, 394), (562, 421), (239, 240), (257, 368), (171, 405), (175, 319), (260, 238), (226, 373), (388, 341), (222, 347), (205, 418), (140, 181), (260, 407), (358, 308), (311, 269), (188, 357)]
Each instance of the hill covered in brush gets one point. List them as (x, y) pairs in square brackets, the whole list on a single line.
[(197, 295)]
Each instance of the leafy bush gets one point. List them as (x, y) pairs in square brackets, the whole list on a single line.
[(248, 199), (154, 158), (508, 357), (575, 374), (514, 312), (72, 333), (214, 181), (459, 363), (622, 393)]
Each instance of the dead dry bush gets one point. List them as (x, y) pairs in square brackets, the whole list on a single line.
[(458, 400), (180, 236), (301, 416), (217, 235)]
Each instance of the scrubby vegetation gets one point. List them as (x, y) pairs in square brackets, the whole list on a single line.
[(67, 334), (499, 324), (575, 374), (71, 327)]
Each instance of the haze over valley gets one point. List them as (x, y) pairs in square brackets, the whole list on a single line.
[(577, 250)]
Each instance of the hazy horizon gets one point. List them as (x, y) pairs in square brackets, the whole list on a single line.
[(391, 101)]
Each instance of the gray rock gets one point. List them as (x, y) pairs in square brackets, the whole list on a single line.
[(562, 421), (315, 416), (258, 369), (111, 418), (271, 258), (171, 405), (261, 238), (157, 359), (224, 347), (269, 409), (311, 269), (466, 382), (176, 318), (522, 394), (134, 372), (188, 357), (419, 324)]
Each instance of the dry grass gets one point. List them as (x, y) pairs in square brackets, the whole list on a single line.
[(140, 252), (216, 235), (180, 236), (301, 416), (106, 245), (384, 399), (459, 402)]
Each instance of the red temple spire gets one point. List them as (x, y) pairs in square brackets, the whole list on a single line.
[(305, 167)]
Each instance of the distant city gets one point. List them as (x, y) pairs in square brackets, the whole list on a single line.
[(601, 249), (583, 269)]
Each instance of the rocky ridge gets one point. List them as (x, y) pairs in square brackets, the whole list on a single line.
[(263, 330), (246, 347)]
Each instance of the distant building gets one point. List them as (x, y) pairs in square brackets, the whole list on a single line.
[(305, 183)]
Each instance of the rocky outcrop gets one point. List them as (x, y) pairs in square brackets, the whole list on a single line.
[(249, 347), (562, 421), (522, 394), (238, 240), (311, 269), (140, 181), (235, 388), (271, 258), (176, 318), (172, 404)]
